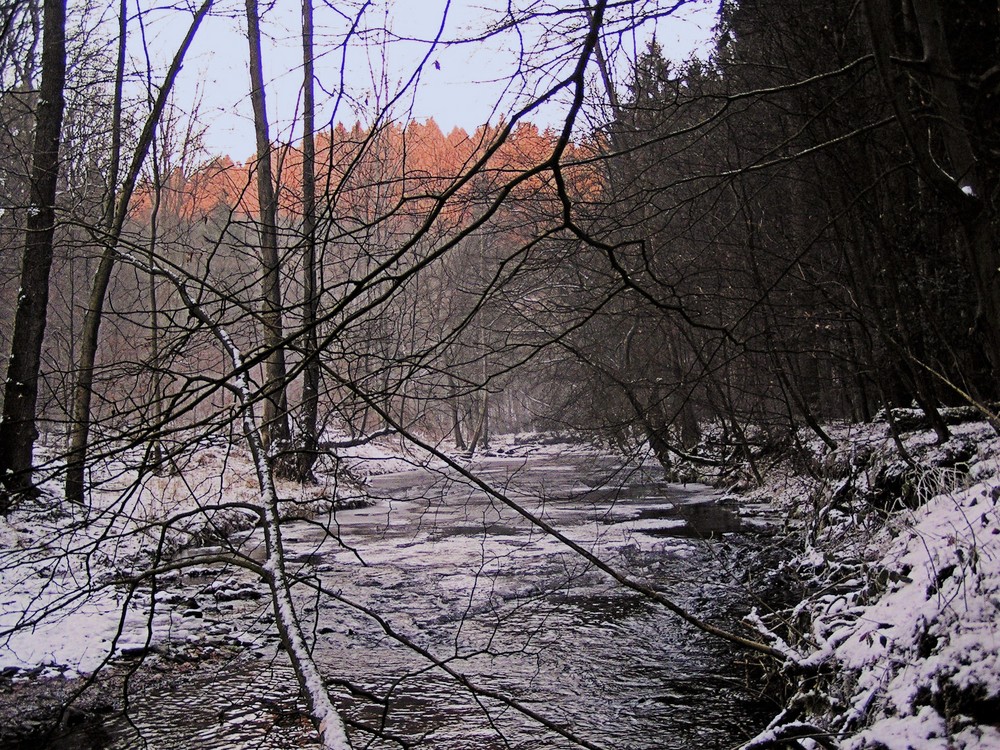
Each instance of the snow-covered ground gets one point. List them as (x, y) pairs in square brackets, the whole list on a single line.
[(896, 644), (64, 601)]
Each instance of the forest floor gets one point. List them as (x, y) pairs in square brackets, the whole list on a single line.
[(891, 635)]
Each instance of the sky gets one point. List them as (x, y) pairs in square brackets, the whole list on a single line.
[(461, 84)]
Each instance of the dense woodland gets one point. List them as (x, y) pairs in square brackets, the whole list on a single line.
[(799, 228), (711, 257)]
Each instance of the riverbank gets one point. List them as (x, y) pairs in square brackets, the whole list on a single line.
[(892, 642), (71, 601)]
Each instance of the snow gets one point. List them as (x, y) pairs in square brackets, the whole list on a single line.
[(904, 621), (899, 634), (60, 566)]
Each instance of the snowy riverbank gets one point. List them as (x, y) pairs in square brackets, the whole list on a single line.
[(64, 570), (894, 644)]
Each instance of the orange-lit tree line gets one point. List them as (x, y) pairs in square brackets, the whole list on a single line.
[(453, 217), (405, 165)]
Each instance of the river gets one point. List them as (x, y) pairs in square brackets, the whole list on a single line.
[(477, 586)]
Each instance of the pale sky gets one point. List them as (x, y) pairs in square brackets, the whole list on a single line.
[(462, 85)]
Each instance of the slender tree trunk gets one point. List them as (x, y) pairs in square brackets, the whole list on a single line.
[(482, 434), (329, 725), (275, 419), (478, 433), (114, 167), (654, 433), (456, 416), (18, 430), (310, 307), (155, 449), (484, 437), (90, 334), (685, 415)]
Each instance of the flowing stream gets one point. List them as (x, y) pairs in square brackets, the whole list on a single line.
[(478, 587)]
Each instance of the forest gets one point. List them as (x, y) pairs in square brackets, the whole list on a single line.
[(728, 267)]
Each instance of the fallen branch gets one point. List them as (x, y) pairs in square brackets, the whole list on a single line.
[(786, 735), (328, 723)]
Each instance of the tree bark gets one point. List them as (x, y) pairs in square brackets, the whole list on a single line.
[(306, 457), (456, 416), (18, 430), (155, 448)]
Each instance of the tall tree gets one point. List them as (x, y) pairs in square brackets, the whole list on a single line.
[(310, 297), (275, 417), (90, 333), (18, 430), (941, 79)]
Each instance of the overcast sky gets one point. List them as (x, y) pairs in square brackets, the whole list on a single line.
[(462, 85)]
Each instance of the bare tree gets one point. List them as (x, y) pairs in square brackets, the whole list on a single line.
[(17, 429), (90, 334), (310, 294), (275, 418)]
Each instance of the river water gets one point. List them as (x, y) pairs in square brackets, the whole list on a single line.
[(480, 589)]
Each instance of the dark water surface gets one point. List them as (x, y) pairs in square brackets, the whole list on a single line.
[(470, 581)]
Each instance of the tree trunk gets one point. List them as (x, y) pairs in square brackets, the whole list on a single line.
[(974, 212), (18, 430), (310, 308), (481, 437), (456, 416), (962, 184), (90, 334), (274, 426), (155, 449), (329, 725)]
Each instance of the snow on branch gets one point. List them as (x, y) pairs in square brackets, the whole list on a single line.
[(329, 724)]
